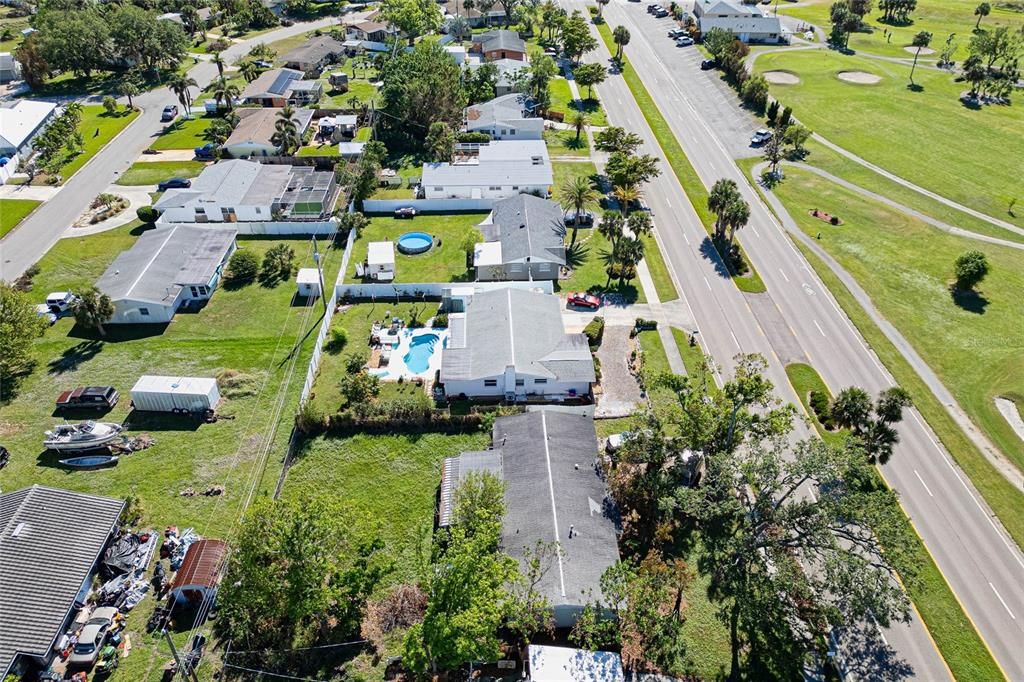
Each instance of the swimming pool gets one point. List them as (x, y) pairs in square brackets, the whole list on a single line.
[(421, 348), (416, 353), (412, 243)]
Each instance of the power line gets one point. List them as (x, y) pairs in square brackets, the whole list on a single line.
[(267, 672), (300, 648)]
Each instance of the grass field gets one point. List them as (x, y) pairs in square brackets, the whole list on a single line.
[(13, 211), (563, 102), (444, 263), (939, 18), (979, 166), (153, 172), (184, 133), (588, 269), (98, 128), (681, 166), (564, 143), (564, 171)]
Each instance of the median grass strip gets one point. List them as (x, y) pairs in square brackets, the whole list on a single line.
[(659, 270), (955, 636), (13, 211), (686, 174)]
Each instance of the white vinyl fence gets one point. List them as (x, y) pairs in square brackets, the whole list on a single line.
[(427, 205), (383, 291)]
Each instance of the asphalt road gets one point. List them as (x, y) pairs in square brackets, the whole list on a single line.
[(981, 563), (34, 237)]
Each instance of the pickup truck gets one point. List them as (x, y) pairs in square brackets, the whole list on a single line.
[(91, 397)]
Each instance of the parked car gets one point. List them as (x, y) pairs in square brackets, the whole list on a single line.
[(43, 310), (174, 183), (708, 64), (684, 41), (169, 114), (60, 302), (661, 13), (582, 299), (207, 152), (651, 8), (760, 137), (586, 219), (405, 212), (676, 33), (92, 637), (263, 64), (95, 397)]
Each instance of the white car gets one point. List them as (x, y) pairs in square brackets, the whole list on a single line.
[(760, 137), (60, 301), (684, 41), (92, 637), (43, 311)]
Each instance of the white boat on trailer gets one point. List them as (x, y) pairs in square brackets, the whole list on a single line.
[(87, 435)]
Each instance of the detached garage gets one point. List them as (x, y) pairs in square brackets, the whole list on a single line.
[(175, 394)]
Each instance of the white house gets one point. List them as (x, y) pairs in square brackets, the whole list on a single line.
[(525, 240), (746, 22), (165, 269), (20, 122), (246, 191), (255, 130), (511, 344), (10, 69), (507, 117), (380, 261), (500, 169)]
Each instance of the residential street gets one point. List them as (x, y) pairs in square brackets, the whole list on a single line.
[(978, 559), (34, 237)]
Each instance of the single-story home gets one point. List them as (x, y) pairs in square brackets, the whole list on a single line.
[(315, 54), (499, 44), (51, 542), (562, 664), (525, 240), (199, 576), (746, 22), (369, 31), (20, 121), (252, 136), (165, 269), (505, 117), (511, 344), (278, 87), (500, 169), (240, 190), (555, 452), (474, 17), (10, 69)]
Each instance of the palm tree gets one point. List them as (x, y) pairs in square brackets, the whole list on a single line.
[(629, 253), (180, 85), (921, 41), (577, 192), (621, 38), (600, 6), (286, 132), (610, 227), (737, 216), (128, 88), (580, 121), (723, 193), (639, 223), (219, 62), (93, 309), (626, 196), (226, 91), (459, 27), (981, 11), (249, 71)]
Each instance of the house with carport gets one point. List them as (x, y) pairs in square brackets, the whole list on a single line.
[(280, 87), (497, 170), (20, 121)]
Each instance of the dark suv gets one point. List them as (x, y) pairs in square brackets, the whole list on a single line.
[(92, 397)]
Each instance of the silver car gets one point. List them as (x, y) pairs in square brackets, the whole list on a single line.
[(92, 637)]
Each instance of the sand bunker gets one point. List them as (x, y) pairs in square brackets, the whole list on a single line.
[(924, 50), (781, 77), (860, 77)]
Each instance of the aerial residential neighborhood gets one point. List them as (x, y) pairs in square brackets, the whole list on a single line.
[(563, 341)]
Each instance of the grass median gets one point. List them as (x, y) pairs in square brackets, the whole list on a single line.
[(686, 174)]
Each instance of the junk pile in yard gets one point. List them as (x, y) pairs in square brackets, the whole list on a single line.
[(175, 546), (126, 560)]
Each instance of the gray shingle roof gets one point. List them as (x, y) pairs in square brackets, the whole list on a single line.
[(520, 328), (258, 125), (507, 109), (164, 260), (275, 82), (314, 50), (529, 228), (500, 40), (49, 541), (548, 461)]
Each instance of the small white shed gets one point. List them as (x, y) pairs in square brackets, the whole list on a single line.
[(562, 664), (380, 261), (175, 394), (308, 282)]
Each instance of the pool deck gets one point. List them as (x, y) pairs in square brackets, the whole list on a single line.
[(396, 367)]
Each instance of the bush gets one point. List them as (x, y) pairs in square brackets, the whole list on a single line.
[(147, 214), (473, 137), (336, 343), (597, 369), (642, 325), (242, 268), (822, 409), (441, 321), (834, 220), (970, 268), (594, 332), (278, 262)]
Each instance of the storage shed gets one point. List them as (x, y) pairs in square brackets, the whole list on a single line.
[(199, 575), (308, 282), (380, 261), (561, 664), (175, 394)]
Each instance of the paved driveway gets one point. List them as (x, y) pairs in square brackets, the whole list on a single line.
[(621, 392)]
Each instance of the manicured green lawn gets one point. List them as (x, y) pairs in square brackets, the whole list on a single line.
[(938, 18), (407, 167), (444, 263), (563, 102), (98, 128), (153, 172), (184, 133), (659, 270), (13, 211), (693, 357), (681, 166), (237, 80), (565, 171), (363, 134), (978, 165), (564, 143), (587, 261), (328, 149)]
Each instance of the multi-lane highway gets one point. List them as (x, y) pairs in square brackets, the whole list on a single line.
[(799, 320)]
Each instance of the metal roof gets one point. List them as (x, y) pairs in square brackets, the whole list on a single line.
[(50, 540), (202, 564), (380, 253), (164, 260), (737, 25), (529, 228), (562, 664)]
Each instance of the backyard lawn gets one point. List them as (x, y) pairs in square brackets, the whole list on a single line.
[(586, 260), (13, 211), (153, 172), (978, 166), (184, 133), (563, 102), (98, 128), (564, 143), (565, 171), (443, 263)]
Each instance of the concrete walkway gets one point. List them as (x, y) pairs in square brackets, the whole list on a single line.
[(1011, 413), (34, 192), (917, 363), (168, 155)]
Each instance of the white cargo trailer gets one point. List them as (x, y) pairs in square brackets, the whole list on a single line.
[(175, 394)]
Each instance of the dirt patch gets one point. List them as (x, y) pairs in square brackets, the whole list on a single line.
[(924, 50), (10, 428), (825, 217), (859, 77), (781, 77)]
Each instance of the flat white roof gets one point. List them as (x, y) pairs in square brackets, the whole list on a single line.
[(487, 253), (308, 276), (562, 664), (181, 385), (380, 253)]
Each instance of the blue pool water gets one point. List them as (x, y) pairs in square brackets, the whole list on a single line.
[(421, 347), (415, 242)]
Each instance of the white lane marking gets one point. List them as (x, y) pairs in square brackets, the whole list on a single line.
[(1001, 601), (881, 632), (781, 272), (808, 289), (734, 339), (669, 203), (820, 330), (926, 489), (686, 238), (707, 283), (756, 233)]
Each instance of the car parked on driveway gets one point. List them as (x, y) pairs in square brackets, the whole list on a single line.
[(43, 311), (582, 299), (170, 113), (760, 137), (174, 183), (405, 212), (586, 219), (94, 397), (60, 302), (92, 637), (207, 152)]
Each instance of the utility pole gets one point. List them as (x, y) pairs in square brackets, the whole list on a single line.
[(320, 272), (183, 668)]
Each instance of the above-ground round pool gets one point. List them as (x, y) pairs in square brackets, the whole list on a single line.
[(415, 242)]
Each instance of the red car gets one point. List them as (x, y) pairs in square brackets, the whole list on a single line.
[(581, 299)]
